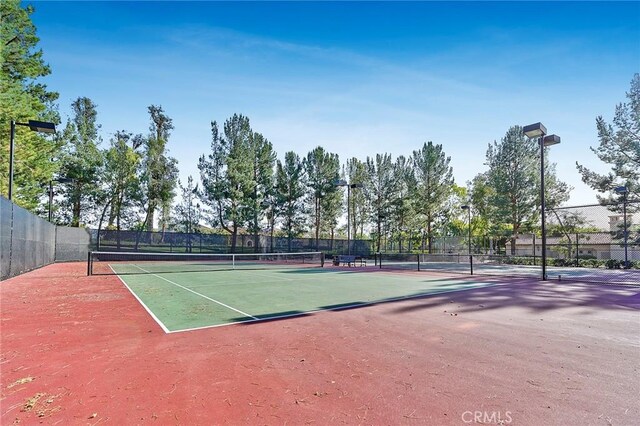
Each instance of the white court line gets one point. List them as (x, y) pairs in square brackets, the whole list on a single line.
[(166, 330), (198, 294), (338, 308)]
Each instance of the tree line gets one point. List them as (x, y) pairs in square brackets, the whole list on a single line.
[(131, 181)]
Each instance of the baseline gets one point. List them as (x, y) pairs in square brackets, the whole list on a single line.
[(197, 294), (146, 308)]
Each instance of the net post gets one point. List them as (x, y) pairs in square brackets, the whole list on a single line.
[(418, 261), (89, 264), (380, 259), (322, 259), (471, 263), (233, 261)]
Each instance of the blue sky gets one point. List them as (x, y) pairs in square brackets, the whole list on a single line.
[(357, 78)]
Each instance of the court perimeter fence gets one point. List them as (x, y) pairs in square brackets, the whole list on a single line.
[(599, 243), (179, 242), (28, 242)]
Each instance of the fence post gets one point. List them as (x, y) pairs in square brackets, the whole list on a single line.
[(534, 249), (577, 250)]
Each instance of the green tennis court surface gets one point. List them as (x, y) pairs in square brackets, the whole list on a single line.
[(182, 301)]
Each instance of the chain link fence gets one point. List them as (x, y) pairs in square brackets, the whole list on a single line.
[(590, 243), (598, 243), (178, 242)]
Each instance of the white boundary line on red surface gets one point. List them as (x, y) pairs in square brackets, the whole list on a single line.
[(197, 294), (164, 328)]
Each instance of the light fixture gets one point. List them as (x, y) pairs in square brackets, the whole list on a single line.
[(538, 130)]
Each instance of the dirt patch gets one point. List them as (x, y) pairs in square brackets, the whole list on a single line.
[(41, 404), (30, 403), (21, 382)]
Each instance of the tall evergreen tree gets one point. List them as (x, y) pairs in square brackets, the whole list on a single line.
[(291, 188), (514, 176), (434, 181), (187, 212), (160, 170), (481, 194), (323, 171), (122, 177), (24, 97), (381, 188), (261, 158), (82, 161), (402, 205), (356, 172), (226, 175), (620, 148), (513, 168)]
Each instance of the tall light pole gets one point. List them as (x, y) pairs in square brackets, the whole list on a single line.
[(36, 126), (532, 131), (623, 190), (349, 186), (468, 209)]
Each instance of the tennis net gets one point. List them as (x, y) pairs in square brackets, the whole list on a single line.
[(125, 263)]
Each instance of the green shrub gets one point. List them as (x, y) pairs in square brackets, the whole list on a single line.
[(613, 264), (586, 256)]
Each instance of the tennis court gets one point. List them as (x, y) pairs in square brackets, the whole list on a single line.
[(186, 292), (82, 349)]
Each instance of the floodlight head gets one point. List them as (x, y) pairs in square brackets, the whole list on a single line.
[(534, 130), (551, 140), (65, 180), (356, 185), (340, 182), (621, 189), (42, 126), (465, 207)]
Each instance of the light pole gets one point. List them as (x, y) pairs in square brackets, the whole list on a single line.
[(623, 190), (468, 209), (349, 186), (36, 126), (538, 130)]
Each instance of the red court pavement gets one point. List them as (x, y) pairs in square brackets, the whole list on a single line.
[(78, 350)]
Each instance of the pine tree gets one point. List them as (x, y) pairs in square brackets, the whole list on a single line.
[(121, 179), (381, 188), (514, 176), (226, 175), (81, 161), (188, 212), (402, 206), (356, 172), (261, 158), (160, 171), (620, 148), (291, 188), (24, 97), (434, 182), (323, 171)]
